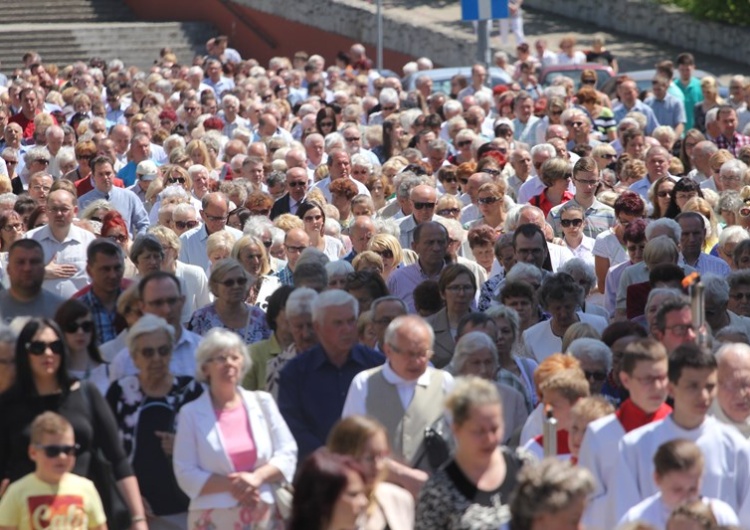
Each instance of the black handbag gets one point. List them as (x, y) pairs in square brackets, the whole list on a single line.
[(101, 474)]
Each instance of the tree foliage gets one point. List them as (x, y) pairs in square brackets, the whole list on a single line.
[(735, 12)]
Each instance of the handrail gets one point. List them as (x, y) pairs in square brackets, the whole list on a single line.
[(239, 14)]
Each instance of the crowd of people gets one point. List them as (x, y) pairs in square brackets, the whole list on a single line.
[(303, 296)]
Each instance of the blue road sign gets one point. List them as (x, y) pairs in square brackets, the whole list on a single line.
[(484, 9)]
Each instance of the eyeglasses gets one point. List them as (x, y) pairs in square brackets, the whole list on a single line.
[(118, 238), (39, 347), (173, 180), (680, 330), (86, 326), (596, 376), (608, 156), (297, 250), (726, 178), (231, 282), (574, 123), (42, 161), (385, 253), (224, 358), (299, 184), (465, 143), (445, 212), (493, 172), (326, 123), (740, 296), (352, 138), (54, 450), (488, 200), (161, 351), (39, 187), (571, 222), (417, 356), (16, 227), (182, 225), (464, 182), (587, 182), (423, 205), (663, 194), (268, 244)]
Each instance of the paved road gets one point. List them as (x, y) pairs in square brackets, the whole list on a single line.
[(632, 53)]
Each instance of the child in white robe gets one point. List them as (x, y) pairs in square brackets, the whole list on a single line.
[(678, 469), (584, 412)]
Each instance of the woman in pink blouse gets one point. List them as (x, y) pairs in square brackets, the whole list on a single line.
[(232, 448)]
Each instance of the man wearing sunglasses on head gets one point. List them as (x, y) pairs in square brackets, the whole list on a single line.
[(25, 296)]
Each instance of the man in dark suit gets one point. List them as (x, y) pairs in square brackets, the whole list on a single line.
[(296, 183)]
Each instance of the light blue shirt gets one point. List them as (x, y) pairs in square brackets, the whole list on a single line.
[(621, 111), (126, 202), (668, 111)]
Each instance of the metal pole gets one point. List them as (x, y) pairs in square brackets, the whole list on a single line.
[(379, 17), (483, 42)]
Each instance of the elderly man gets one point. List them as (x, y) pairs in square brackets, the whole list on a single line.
[(146, 172), (692, 240), (64, 245), (701, 172), (533, 186), (430, 243), (520, 161), (313, 385), (470, 212), (25, 295), (295, 242), (718, 316), (478, 80), (353, 138), (384, 311), (214, 213), (215, 80), (423, 199), (657, 166), (232, 120), (339, 166), (401, 207), (121, 135), (160, 294), (126, 202), (296, 184), (54, 136), (361, 232), (184, 218), (627, 93), (523, 123), (405, 394), (732, 403), (389, 104)]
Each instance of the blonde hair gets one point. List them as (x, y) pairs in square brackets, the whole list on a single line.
[(48, 423), (469, 392), (288, 221), (366, 259), (570, 384), (252, 241), (387, 242), (592, 408), (219, 240), (578, 330)]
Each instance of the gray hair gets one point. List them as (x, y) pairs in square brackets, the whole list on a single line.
[(406, 183), (716, 288), (469, 344), (732, 331), (185, 208), (388, 95), (334, 298), (469, 392), (523, 270), (738, 278), (258, 226), (176, 192), (148, 323), (8, 200), (7, 335), (407, 321), (592, 350), (664, 226), (389, 298), (665, 291), (36, 153), (218, 340), (733, 168), (145, 243), (544, 148), (300, 302), (339, 267), (361, 160), (509, 314), (578, 265)]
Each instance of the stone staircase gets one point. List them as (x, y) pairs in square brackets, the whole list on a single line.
[(64, 31)]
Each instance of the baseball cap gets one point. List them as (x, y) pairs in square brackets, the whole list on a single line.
[(147, 170)]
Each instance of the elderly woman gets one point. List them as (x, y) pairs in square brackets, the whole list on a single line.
[(219, 246), (560, 296), (342, 192), (193, 279), (145, 408), (513, 370), (147, 254), (253, 255), (313, 216), (583, 273), (476, 355), (449, 206), (366, 440), (479, 464), (338, 271), (608, 248), (728, 208), (229, 283), (298, 311), (595, 359), (555, 175), (457, 286), (228, 483), (362, 168), (96, 210), (550, 492), (389, 249)]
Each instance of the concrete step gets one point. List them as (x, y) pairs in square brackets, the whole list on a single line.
[(136, 43), (35, 11)]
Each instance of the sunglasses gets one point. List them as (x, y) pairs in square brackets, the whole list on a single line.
[(53, 451), (182, 225), (297, 184), (596, 376), (39, 347), (423, 205), (87, 327), (571, 222), (231, 282), (464, 182), (118, 238), (445, 212), (385, 253), (161, 351), (465, 143), (451, 180), (488, 200), (663, 194), (268, 244), (173, 180)]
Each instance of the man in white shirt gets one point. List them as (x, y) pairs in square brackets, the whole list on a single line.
[(402, 393), (161, 295), (478, 79), (339, 166), (214, 212), (657, 166), (692, 384), (64, 245)]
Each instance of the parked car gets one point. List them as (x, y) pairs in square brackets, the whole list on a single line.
[(603, 73), (441, 78), (643, 80)]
